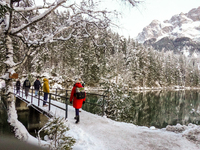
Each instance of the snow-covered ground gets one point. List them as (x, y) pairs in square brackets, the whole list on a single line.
[(100, 133)]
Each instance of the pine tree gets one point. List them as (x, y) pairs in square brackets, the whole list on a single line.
[(56, 134)]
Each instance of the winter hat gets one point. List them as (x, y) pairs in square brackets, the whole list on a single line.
[(79, 80)]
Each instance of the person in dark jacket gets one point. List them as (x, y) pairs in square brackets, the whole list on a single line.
[(18, 84), (77, 103), (26, 86), (37, 86)]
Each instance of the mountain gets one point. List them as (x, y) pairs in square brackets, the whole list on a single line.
[(182, 31)]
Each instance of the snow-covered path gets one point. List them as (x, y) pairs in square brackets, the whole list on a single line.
[(100, 133)]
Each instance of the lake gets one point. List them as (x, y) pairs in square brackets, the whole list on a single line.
[(5, 128), (154, 108)]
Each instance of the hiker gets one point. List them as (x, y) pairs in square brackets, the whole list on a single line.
[(37, 86), (26, 86), (45, 90), (18, 84), (78, 96)]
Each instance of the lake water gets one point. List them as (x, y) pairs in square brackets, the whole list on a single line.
[(157, 108), (5, 128)]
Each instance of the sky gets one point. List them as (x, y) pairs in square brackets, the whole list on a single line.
[(94, 132), (135, 19)]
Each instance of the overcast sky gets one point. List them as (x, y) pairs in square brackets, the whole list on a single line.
[(137, 18)]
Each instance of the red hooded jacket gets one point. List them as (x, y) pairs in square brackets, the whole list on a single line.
[(77, 103)]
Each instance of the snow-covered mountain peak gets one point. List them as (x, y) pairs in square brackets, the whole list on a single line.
[(180, 19), (154, 23), (194, 14), (180, 25)]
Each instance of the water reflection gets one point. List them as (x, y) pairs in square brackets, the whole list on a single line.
[(32, 120), (157, 108), (94, 104), (5, 128), (166, 107)]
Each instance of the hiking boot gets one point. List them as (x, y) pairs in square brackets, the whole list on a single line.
[(77, 119)]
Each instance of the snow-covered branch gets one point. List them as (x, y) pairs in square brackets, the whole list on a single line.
[(38, 18), (25, 9), (3, 3), (133, 2)]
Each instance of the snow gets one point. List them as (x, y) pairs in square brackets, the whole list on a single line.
[(2, 84), (58, 86), (163, 25), (194, 55), (3, 3), (100, 133), (186, 52), (188, 30), (21, 9), (45, 75)]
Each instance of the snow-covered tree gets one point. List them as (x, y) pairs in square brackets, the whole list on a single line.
[(55, 131)]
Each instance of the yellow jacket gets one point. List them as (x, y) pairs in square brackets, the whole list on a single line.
[(46, 86)]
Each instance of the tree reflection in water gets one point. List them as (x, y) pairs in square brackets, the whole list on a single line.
[(155, 108)]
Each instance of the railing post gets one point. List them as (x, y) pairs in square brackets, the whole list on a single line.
[(49, 101), (39, 98), (22, 91), (56, 94), (32, 96), (66, 93), (103, 107), (66, 109)]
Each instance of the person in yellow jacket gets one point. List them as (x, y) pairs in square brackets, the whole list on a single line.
[(45, 90)]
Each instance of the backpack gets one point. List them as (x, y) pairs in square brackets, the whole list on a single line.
[(79, 93), (18, 83), (27, 83)]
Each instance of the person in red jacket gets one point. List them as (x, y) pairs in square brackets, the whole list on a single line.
[(78, 99)]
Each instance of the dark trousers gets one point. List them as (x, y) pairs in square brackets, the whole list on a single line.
[(18, 90), (77, 112), (45, 98), (26, 91)]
